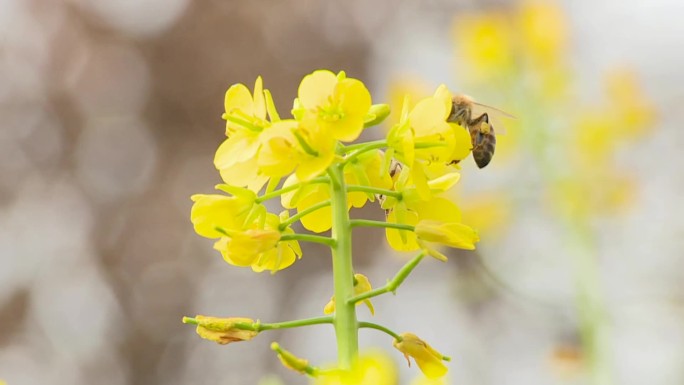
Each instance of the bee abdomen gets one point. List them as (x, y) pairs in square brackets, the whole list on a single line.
[(483, 153)]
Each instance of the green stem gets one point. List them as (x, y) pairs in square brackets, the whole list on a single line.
[(346, 327), (393, 284), (374, 190), (592, 318), (302, 214), (258, 326), (354, 147), (370, 325), (308, 238), (285, 190), (369, 146), (372, 223)]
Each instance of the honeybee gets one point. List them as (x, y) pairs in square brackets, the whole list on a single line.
[(475, 118)]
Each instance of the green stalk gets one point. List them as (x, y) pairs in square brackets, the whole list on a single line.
[(303, 213), (393, 284), (386, 225), (258, 326), (590, 303), (374, 190), (346, 326), (308, 238)]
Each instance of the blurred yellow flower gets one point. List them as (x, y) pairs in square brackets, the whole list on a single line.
[(485, 43), (543, 30), (337, 104), (371, 368), (223, 330), (428, 359)]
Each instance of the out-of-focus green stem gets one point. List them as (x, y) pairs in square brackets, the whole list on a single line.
[(590, 305)]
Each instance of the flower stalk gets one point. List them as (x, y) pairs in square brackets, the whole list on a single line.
[(346, 326)]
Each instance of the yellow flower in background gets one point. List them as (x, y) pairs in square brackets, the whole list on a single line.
[(485, 43), (429, 360), (371, 368), (223, 330), (635, 113), (543, 30), (337, 104), (361, 285)]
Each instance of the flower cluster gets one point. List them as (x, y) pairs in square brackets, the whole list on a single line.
[(309, 162)]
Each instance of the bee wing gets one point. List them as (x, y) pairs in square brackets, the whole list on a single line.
[(495, 116)]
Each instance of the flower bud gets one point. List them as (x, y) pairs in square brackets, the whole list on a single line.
[(428, 359), (222, 330)]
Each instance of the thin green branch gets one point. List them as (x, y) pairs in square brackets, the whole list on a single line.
[(374, 190), (391, 285), (285, 190), (387, 225), (370, 325), (356, 146), (370, 146), (286, 324), (309, 238), (303, 213)]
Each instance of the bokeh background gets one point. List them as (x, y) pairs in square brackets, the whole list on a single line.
[(110, 115)]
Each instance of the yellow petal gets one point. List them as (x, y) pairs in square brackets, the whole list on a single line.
[(316, 88), (238, 97)]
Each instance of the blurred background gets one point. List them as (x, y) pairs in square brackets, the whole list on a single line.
[(110, 116)]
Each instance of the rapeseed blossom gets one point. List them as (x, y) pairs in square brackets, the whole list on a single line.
[(309, 163)]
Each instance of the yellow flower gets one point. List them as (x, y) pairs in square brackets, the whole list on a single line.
[(242, 248), (361, 285), (290, 145), (372, 368), (212, 212), (224, 330), (452, 234), (248, 235), (412, 208), (366, 170), (282, 255), (428, 359), (245, 121), (337, 104)]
